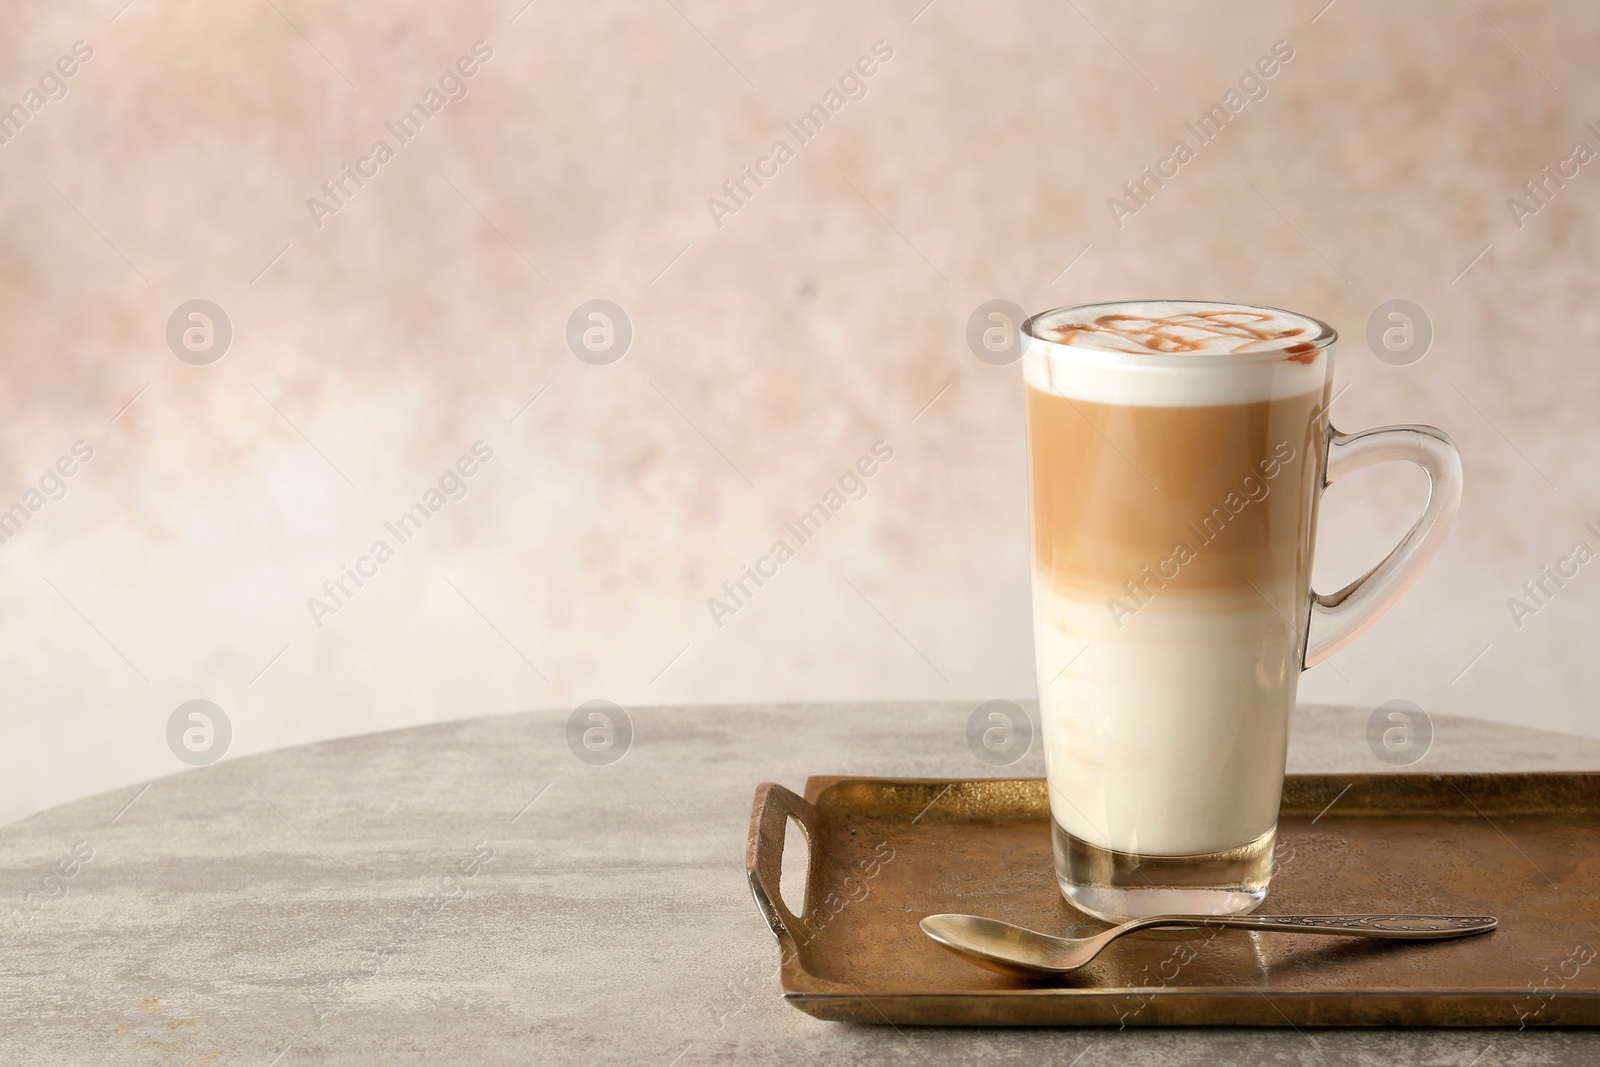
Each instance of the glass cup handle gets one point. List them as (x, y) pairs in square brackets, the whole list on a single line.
[(1339, 618)]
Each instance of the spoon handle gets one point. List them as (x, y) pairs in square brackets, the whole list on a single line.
[(1404, 927)]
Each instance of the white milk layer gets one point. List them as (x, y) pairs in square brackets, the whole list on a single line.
[(1167, 735)]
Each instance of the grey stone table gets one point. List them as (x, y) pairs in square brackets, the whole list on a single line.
[(474, 893)]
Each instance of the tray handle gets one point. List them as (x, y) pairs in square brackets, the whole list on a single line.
[(769, 821)]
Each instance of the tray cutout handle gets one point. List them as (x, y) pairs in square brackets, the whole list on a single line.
[(769, 822)]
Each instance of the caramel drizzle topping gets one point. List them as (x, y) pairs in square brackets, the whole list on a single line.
[(1191, 331)]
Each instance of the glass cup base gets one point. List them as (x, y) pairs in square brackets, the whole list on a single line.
[(1118, 886)]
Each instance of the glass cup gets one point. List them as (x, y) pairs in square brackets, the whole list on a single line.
[(1173, 493)]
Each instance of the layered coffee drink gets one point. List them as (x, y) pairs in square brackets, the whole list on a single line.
[(1176, 455)]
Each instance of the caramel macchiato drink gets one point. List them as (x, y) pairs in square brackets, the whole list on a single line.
[(1177, 453)]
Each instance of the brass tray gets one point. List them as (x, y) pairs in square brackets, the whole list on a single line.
[(886, 852)]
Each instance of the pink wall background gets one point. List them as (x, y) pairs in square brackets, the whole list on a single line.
[(769, 352)]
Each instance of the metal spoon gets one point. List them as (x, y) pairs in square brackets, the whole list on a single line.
[(1010, 949)]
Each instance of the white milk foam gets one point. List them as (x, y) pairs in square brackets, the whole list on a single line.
[(1118, 368)]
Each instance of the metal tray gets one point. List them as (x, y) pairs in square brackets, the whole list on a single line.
[(886, 852)]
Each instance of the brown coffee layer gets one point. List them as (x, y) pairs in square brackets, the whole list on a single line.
[(1147, 502)]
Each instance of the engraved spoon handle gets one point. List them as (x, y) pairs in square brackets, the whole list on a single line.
[(1404, 927)]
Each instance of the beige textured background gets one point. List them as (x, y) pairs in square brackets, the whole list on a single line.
[(767, 356)]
